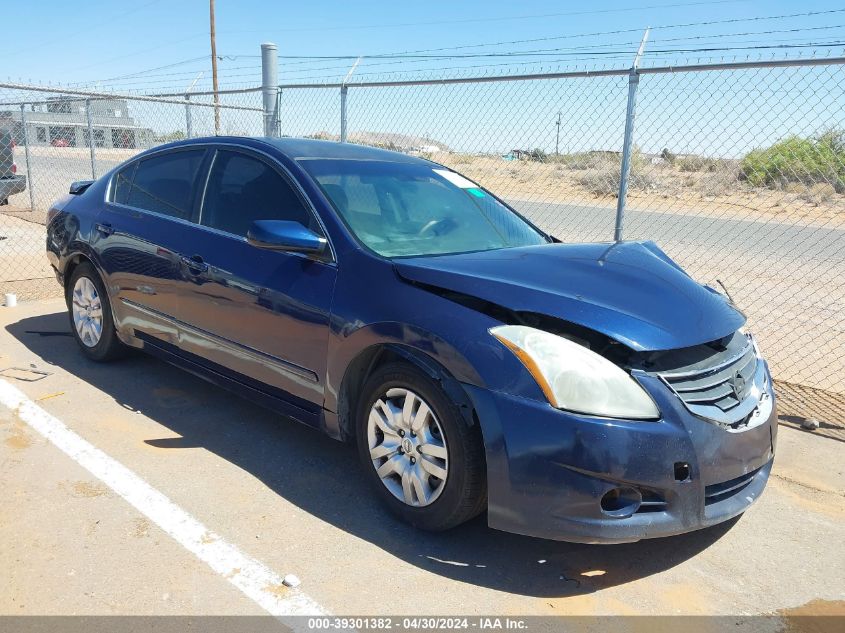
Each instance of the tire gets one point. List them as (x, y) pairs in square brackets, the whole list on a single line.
[(462, 494), (107, 346), (4, 202)]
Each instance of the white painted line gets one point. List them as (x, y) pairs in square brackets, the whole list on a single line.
[(253, 578)]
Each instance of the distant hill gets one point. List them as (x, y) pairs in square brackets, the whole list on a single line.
[(389, 140)]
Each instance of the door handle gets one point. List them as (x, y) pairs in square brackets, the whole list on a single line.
[(194, 263), (105, 228)]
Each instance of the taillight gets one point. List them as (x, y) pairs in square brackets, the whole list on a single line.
[(14, 168)]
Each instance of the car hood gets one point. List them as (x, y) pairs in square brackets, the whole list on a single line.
[(630, 291)]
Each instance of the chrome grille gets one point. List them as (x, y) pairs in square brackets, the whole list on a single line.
[(723, 386), (726, 392)]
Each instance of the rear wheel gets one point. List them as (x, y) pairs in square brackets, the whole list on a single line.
[(90, 315), (424, 461)]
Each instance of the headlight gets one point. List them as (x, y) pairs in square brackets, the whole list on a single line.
[(574, 378)]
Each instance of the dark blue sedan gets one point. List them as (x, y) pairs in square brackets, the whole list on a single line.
[(582, 392)]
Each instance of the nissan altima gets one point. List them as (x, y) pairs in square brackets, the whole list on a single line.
[(582, 392)]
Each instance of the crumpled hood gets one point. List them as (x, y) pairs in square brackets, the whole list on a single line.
[(631, 291)]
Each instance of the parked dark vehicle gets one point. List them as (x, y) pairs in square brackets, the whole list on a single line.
[(11, 182), (583, 392)]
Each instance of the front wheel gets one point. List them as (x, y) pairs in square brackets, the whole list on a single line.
[(90, 315), (425, 462)]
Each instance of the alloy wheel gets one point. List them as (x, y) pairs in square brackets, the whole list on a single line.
[(87, 312)]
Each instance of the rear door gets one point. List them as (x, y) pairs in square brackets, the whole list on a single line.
[(261, 313), (149, 212)]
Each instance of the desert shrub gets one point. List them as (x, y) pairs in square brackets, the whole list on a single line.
[(668, 156), (462, 159), (587, 160), (600, 182), (803, 160), (819, 193), (536, 154), (698, 163), (721, 183), (605, 182)]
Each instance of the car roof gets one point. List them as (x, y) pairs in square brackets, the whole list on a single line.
[(308, 148)]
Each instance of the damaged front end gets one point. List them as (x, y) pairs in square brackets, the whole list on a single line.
[(588, 468)]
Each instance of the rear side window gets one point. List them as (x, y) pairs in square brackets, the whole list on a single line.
[(164, 184), (242, 189), (121, 184)]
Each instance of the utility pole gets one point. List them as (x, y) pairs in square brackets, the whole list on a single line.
[(557, 137), (214, 69)]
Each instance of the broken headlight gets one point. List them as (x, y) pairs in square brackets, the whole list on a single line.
[(574, 378)]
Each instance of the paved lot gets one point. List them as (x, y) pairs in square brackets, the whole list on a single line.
[(292, 501)]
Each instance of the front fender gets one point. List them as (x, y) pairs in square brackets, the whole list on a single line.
[(402, 337), (373, 306)]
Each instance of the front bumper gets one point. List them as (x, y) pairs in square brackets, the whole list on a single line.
[(11, 186), (548, 469)]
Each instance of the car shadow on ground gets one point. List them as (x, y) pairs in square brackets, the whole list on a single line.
[(313, 472)]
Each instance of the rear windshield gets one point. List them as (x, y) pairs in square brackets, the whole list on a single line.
[(412, 209)]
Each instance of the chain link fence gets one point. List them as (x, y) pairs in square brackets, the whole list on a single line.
[(736, 170), (50, 137)]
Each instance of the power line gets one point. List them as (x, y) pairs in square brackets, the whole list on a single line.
[(560, 37), (315, 59), (431, 71), (546, 52), (141, 72), (501, 19), (769, 32)]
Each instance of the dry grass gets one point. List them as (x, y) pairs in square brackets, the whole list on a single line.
[(688, 183)]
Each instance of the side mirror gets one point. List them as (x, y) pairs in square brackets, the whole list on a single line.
[(284, 235), (79, 186)]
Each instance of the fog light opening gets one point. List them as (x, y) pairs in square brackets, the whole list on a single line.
[(621, 503), (682, 471)]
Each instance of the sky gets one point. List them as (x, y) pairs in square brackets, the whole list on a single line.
[(162, 46), (96, 41)]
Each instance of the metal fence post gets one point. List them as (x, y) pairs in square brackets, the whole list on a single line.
[(628, 142), (91, 138), (189, 132), (278, 121), (26, 154), (269, 86), (343, 92)]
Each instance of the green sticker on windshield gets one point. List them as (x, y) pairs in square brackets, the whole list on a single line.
[(477, 193)]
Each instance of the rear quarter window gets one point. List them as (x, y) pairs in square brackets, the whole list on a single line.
[(122, 183), (165, 183)]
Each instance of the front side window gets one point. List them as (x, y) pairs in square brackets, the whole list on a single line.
[(242, 189), (411, 209), (165, 183)]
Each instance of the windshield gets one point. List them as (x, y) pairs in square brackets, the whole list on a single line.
[(407, 209)]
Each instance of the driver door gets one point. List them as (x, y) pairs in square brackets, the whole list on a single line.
[(256, 315)]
